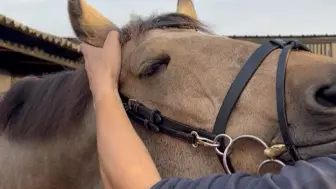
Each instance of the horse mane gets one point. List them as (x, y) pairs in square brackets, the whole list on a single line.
[(43, 107), (40, 108)]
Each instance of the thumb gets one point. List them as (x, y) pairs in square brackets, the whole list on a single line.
[(112, 41), (83, 48)]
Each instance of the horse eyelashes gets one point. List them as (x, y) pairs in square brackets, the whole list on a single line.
[(155, 66), (152, 69)]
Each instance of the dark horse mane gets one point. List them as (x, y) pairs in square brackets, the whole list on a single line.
[(42, 107), (39, 108)]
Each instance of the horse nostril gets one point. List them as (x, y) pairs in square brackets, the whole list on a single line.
[(326, 96)]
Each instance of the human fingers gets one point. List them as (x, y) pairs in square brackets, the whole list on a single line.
[(84, 48), (90, 56), (112, 44), (112, 39)]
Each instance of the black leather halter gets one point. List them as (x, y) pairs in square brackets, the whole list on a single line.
[(155, 122)]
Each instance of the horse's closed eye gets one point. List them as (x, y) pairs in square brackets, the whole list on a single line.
[(155, 66)]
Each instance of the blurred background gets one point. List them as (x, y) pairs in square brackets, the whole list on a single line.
[(36, 37)]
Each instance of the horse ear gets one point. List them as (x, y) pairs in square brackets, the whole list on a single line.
[(88, 24), (186, 7)]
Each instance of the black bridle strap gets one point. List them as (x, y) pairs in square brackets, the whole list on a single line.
[(152, 120), (242, 79), (238, 86), (281, 98), (240, 82)]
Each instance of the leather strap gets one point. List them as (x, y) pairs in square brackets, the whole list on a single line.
[(240, 82), (238, 86), (242, 79), (281, 98), (153, 120)]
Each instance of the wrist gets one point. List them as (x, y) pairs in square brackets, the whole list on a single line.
[(106, 95)]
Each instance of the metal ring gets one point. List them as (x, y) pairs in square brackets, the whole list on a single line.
[(227, 142), (228, 147), (267, 161), (195, 134)]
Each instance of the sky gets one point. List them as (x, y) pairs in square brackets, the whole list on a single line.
[(225, 17)]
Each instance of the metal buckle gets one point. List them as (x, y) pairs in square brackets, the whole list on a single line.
[(280, 42), (132, 104), (203, 141)]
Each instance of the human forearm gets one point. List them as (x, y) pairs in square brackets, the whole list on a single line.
[(123, 155), (107, 184)]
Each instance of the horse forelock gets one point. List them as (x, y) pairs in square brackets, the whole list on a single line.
[(40, 108)]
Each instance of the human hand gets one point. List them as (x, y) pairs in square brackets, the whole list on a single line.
[(103, 65)]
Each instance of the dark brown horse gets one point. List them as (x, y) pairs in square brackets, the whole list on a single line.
[(173, 63)]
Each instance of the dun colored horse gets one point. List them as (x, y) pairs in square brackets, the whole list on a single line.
[(174, 63)]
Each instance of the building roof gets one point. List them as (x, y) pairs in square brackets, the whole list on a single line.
[(311, 39), (20, 38)]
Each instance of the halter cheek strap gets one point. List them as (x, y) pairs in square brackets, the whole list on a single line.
[(281, 96), (244, 76)]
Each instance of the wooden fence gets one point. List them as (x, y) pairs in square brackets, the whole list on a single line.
[(319, 44), (325, 49)]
